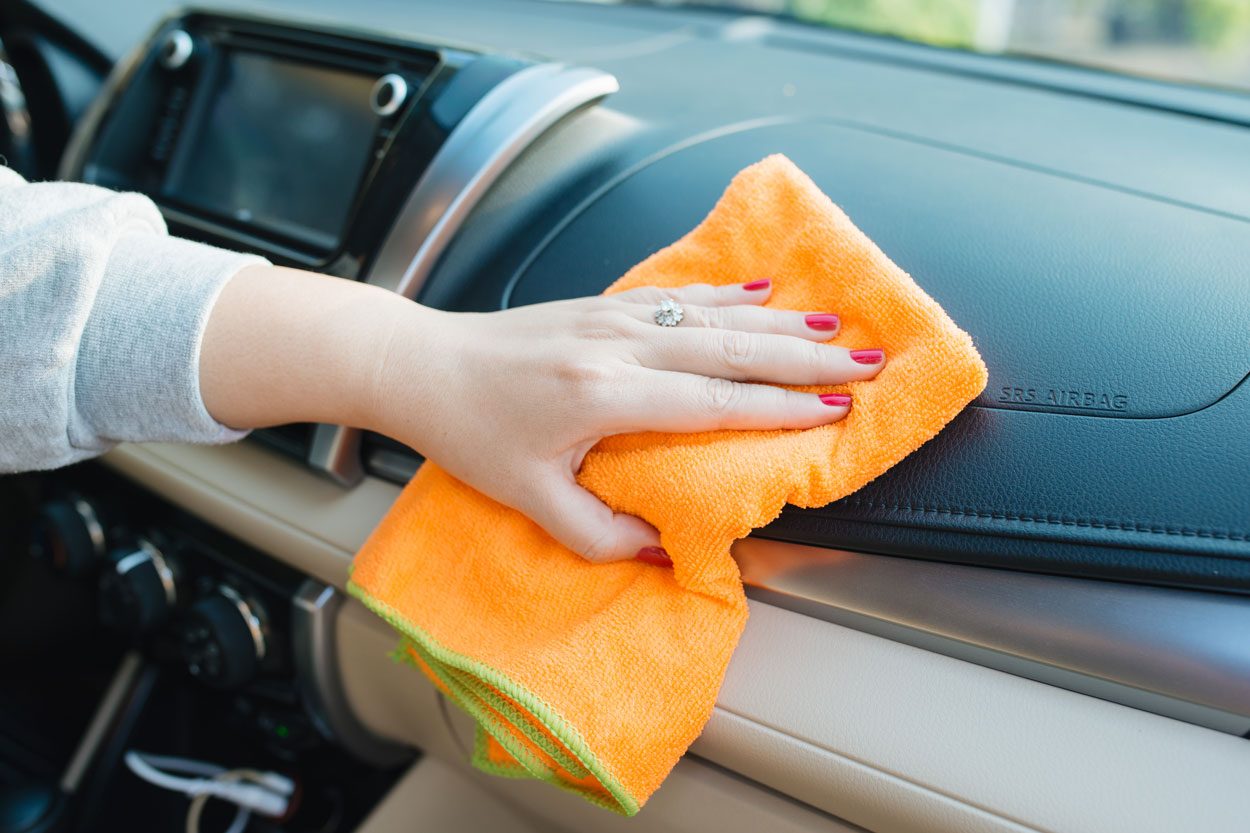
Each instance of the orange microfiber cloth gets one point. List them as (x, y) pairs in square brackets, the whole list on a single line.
[(598, 677)]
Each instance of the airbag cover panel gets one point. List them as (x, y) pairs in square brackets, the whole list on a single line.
[(1114, 326)]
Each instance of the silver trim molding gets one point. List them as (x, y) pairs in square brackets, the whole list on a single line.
[(91, 522), (1180, 653), (335, 451), (313, 613), (105, 716), (147, 551), (497, 130), (74, 157), (255, 626)]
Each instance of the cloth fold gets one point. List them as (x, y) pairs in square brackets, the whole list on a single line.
[(597, 678)]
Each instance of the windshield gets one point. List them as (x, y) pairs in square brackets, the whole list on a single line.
[(1197, 41)]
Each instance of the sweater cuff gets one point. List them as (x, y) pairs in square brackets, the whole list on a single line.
[(137, 377)]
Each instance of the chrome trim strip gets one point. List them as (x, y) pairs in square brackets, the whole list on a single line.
[(106, 712), (314, 610), (91, 522), (506, 121), (75, 155), (497, 130), (253, 622), (147, 551), (1180, 653), (335, 451)]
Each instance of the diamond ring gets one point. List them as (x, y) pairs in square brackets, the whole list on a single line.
[(669, 313)]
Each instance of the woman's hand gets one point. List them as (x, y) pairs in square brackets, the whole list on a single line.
[(510, 402)]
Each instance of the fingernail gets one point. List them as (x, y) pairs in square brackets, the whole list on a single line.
[(654, 555), (839, 400), (822, 321), (868, 356), (756, 286)]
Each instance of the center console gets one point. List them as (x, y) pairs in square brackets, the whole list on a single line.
[(220, 653), (345, 153)]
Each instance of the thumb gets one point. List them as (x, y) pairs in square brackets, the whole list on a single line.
[(589, 527)]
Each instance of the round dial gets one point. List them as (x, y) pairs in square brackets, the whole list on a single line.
[(176, 49), (137, 589), (388, 94), (68, 536), (223, 641)]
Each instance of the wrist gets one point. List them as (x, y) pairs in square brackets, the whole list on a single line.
[(411, 368)]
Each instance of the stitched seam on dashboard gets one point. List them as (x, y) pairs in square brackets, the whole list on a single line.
[(1128, 526)]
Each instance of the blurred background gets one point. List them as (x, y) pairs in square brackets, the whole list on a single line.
[(1202, 41)]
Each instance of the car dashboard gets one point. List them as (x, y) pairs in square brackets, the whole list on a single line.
[(1042, 608)]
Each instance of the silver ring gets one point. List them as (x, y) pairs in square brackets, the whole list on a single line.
[(669, 313)]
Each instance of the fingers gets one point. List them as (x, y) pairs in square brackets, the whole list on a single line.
[(587, 526), (684, 402), (758, 357), (813, 326), (701, 294)]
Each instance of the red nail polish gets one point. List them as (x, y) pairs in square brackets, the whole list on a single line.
[(840, 400), (756, 286), (868, 356), (654, 555), (822, 321)]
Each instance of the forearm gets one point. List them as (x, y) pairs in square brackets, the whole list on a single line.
[(283, 345)]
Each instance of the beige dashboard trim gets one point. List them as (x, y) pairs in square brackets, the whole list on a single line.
[(897, 738), (883, 734), (275, 504)]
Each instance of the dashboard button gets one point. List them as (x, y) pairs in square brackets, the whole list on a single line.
[(68, 536), (176, 49), (389, 94)]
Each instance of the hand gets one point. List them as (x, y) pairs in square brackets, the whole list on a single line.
[(510, 402)]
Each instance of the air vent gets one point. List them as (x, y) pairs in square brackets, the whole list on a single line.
[(388, 459), (294, 440)]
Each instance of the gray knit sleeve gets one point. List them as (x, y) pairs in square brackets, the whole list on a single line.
[(101, 319)]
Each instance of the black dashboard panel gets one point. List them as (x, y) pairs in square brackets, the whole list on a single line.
[(1113, 325), (1088, 300)]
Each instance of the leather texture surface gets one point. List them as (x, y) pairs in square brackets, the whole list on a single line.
[(1114, 437)]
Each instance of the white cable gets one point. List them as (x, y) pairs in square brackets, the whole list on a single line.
[(196, 809), (139, 766), (267, 793), (187, 766), (239, 824), (144, 766), (274, 782)]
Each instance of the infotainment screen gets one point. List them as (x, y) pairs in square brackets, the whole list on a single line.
[(280, 145)]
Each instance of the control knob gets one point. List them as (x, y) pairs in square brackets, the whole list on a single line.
[(138, 588), (388, 95), (223, 641), (175, 50), (68, 536)]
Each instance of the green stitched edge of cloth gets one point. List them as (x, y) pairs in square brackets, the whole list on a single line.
[(467, 680)]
